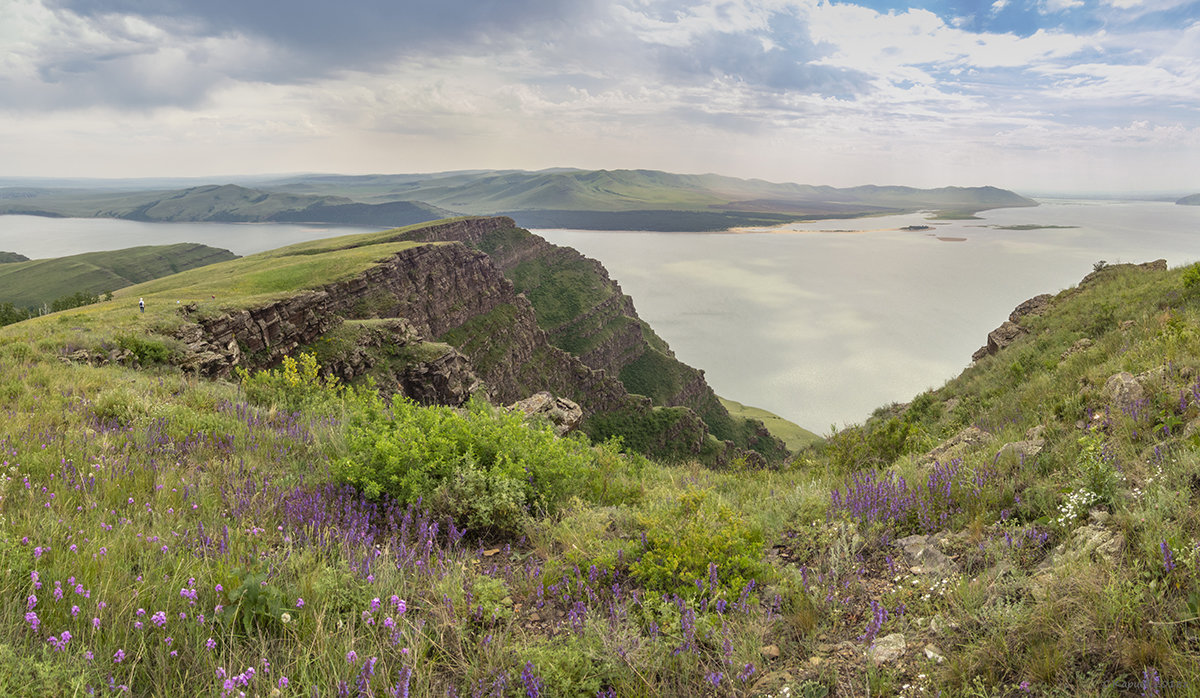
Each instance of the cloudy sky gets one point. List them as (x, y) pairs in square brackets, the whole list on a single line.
[(1034, 95)]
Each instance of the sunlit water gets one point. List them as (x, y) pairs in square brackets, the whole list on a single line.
[(820, 327), (823, 327)]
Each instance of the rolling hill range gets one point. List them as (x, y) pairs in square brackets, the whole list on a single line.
[(591, 199), (32, 283), (217, 203), (1191, 200), (646, 199)]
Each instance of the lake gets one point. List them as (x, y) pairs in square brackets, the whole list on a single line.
[(823, 327), (818, 327), (37, 237)]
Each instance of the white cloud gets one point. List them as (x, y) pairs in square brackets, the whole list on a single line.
[(1052, 6)]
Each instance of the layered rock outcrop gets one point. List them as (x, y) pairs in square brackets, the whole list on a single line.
[(604, 332), (445, 292)]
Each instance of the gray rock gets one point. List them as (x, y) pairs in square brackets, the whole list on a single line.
[(887, 649), (1093, 542), (958, 445), (564, 416), (1021, 450), (935, 653), (1003, 336), (1123, 392), (923, 556), (1080, 345), (1034, 306)]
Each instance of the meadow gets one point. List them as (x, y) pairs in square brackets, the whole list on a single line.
[(282, 534)]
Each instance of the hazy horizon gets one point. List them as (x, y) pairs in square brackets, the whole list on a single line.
[(1077, 96)]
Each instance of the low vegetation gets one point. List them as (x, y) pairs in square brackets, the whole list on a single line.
[(284, 534), (32, 284)]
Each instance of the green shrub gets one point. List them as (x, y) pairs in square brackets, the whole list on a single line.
[(296, 385), (1191, 276), (147, 351), (488, 469), (685, 540)]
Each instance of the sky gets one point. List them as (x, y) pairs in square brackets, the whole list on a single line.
[(1033, 95)]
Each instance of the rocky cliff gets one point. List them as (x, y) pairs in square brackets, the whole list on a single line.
[(585, 312), (443, 292)]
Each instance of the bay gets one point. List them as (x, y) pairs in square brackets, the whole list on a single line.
[(824, 327)]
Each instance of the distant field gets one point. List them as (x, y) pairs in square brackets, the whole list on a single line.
[(795, 436)]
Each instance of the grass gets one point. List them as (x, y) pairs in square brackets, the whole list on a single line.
[(152, 490), (35, 282), (795, 436)]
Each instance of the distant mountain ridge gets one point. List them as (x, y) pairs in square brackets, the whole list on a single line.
[(652, 193), (227, 203), (590, 199), (1191, 200)]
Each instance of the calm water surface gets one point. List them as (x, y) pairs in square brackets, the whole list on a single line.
[(823, 327), (819, 327), (37, 237)]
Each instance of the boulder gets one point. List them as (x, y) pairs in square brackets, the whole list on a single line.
[(922, 555), (1021, 450), (935, 653), (1034, 306), (958, 444), (887, 649), (1080, 345), (1123, 392), (1003, 336), (1092, 542), (563, 414), (447, 380)]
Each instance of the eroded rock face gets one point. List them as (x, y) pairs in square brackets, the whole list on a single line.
[(447, 380), (1034, 306), (1003, 336), (565, 416)]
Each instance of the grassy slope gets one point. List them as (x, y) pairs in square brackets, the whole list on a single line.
[(9, 257), (118, 506), (795, 436), (38, 281)]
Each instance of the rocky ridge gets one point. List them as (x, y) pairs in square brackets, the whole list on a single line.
[(445, 292)]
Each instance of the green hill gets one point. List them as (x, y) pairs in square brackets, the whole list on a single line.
[(220, 203), (31, 283), (8, 257), (1029, 528), (594, 199)]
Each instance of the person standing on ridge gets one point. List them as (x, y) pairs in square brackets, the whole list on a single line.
[(142, 305)]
